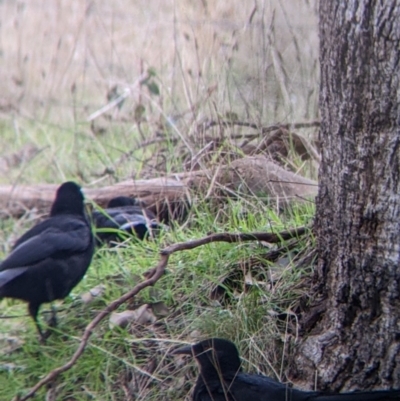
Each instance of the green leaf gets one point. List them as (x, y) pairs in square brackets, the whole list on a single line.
[(139, 112), (153, 88)]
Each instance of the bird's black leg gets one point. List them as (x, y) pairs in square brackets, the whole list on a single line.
[(52, 322), (53, 319), (33, 311)]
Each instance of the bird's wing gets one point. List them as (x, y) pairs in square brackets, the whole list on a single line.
[(134, 210), (34, 231), (258, 387), (131, 221), (72, 235), (10, 274), (104, 219), (119, 220)]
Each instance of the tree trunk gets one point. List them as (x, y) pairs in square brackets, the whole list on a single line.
[(355, 343)]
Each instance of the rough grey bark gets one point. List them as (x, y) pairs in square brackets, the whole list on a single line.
[(355, 343)]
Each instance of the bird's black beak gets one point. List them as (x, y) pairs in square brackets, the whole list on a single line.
[(183, 351)]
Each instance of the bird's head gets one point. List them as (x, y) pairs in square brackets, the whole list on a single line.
[(215, 356), (69, 199)]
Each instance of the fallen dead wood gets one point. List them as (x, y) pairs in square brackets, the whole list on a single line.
[(260, 177), (152, 276), (159, 193), (168, 196)]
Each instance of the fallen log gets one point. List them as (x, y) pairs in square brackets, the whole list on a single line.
[(169, 196), (161, 194)]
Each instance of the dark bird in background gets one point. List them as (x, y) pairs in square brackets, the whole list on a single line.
[(123, 216), (221, 379), (50, 259)]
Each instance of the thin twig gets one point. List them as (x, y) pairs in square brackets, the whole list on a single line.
[(158, 272), (229, 237), (152, 276)]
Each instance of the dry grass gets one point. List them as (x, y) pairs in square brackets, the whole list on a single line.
[(61, 62), (59, 58)]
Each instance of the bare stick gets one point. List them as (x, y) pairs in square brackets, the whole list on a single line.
[(264, 129), (152, 276), (158, 272), (229, 237)]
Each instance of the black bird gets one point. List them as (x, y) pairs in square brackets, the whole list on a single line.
[(50, 259), (123, 214), (221, 379)]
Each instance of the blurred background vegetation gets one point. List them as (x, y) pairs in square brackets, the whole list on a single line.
[(173, 64)]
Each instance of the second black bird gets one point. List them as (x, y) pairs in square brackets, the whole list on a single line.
[(50, 259), (123, 215), (221, 379)]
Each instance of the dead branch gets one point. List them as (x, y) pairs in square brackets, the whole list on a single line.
[(158, 272), (152, 276), (265, 130), (229, 237)]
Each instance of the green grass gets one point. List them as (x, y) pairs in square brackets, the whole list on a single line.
[(212, 61), (64, 153), (116, 357)]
